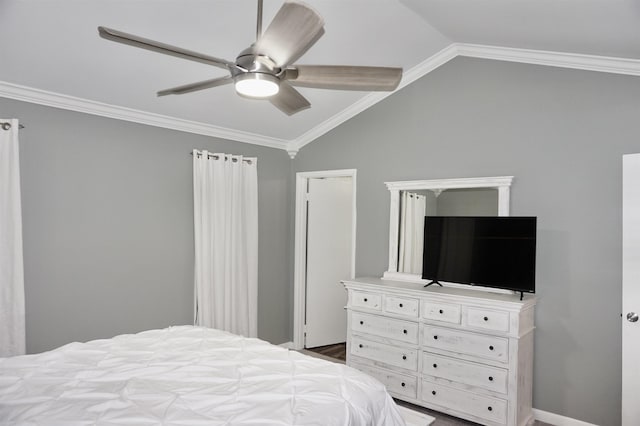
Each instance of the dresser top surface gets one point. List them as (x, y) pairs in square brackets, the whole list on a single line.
[(418, 289)]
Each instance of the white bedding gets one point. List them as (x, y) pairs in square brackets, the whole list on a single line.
[(187, 376)]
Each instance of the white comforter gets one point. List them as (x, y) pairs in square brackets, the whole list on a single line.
[(187, 376)]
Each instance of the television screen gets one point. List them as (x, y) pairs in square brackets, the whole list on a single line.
[(485, 251)]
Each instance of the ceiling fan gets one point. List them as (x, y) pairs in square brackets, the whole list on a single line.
[(265, 69)]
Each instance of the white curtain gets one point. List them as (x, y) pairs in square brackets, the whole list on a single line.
[(225, 189), (412, 211), (12, 321)]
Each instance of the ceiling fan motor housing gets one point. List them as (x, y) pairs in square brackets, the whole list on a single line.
[(255, 76)]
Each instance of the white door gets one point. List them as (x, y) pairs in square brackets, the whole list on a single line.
[(631, 290), (329, 259)]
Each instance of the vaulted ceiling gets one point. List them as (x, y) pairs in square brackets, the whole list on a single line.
[(52, 55)]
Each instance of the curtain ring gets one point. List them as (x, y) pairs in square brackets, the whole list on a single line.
[(6, 126)]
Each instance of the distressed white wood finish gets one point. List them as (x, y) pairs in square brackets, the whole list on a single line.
[(490, 347), (438, 311), (469, 376), (367, 300), (481, 406), (465, 373), (401, 384), (402, 306), (395, 355), (488, 320), (386, 327), (501, 183)]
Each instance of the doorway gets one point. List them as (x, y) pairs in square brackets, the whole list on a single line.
[(630, 289), (324, 254)]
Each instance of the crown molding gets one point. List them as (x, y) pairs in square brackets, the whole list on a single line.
[(606, 64), (537, 57), (577, 61), (71, 103)]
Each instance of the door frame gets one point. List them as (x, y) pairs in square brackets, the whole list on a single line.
[(300, 245), (630, 201)]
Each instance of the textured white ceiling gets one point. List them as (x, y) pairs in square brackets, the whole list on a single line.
[(595, 27), (53, 46)]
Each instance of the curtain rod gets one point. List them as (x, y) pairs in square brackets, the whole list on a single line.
[(7, 126), (215, 157)]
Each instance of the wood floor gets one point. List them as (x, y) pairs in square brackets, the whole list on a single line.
[(337, 351)]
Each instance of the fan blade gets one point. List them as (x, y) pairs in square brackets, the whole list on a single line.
[(132, 40), (294, 29), (289, 100), (344, 77), (193, 87)]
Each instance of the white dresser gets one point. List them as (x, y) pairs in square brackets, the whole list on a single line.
[(467, 353)]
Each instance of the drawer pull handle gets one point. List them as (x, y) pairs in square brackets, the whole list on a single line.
[(433, 392), (435, 365), (489, 408), (365, 299), (486, 318), (435, 337), (404, 357), (404, 331), (490, 348), (361, 322), (441, 311), (403, 384), (400, 305), (491, 378), (360, 345)]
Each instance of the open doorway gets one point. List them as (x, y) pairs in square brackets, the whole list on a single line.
[(324, 255)]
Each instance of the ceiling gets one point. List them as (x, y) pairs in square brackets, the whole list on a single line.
[(51, 53)]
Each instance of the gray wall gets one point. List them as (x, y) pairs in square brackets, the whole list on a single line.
[(107, 209), (108, 226), (468, 202), (562, 134)]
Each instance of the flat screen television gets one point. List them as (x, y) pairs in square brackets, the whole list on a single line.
[(498, 252)]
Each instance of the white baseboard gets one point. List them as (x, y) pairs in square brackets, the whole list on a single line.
[(288, 345), (557, 420)]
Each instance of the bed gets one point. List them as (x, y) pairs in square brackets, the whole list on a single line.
[(187, 375)]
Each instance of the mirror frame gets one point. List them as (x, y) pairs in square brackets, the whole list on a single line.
[(501, 183)]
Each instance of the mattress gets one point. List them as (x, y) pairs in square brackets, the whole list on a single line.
[(187, 376)]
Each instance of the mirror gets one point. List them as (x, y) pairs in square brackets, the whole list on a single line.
[(412, 200)]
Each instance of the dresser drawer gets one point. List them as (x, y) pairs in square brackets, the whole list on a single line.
[(362, 299), (402, 306), (467, 373), (441, 312), (489, 347), (485, 319), (485, 407), (386, 327), (388, 354), (400, 384)]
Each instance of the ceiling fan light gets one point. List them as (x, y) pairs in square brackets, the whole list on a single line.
[(257, 85)]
